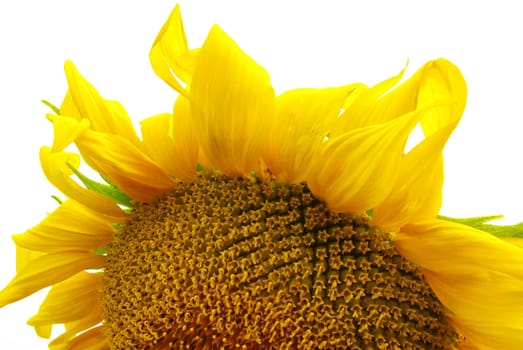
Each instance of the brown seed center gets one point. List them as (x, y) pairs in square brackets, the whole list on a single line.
[(230, 263)]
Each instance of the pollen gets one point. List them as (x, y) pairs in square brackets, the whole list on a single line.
[(233, 263)]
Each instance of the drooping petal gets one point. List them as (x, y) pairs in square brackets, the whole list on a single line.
[(104, 115), (170, 56), (171, 142), (354, 172), (477, 276), (71, 225), (47, 270), (125, 165), (303, 119), (56, 167), (69, 300), (233, 103)]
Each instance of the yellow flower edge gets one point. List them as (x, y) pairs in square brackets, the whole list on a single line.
[(346, 144)]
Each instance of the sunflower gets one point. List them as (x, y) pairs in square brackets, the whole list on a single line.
[(245, 220)]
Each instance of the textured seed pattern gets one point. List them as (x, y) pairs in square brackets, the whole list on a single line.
[(231, 263)]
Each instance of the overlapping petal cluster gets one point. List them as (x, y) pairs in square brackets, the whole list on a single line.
[(346, 143)]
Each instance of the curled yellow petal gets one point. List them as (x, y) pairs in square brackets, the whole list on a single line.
[(170, 56), (66, 130), (441, 83), (438, 83), (232, 102), (48, 269)]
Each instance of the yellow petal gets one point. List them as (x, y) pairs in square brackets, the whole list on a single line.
[(232, 105), (24, 256), (68, 107), (443, 83), (125, 165), (44, 331), (360, 113), (355, 172), (488, 336), (454, 249), (93, 339), (104, 115), (303, 119), (477, 276), (170, 56), (66, 130), (47, 270), (517, 241), (171, 142), (438, 83), (69, 300), (56, 168), (467, 296), (71, 225), (73, 328), (417, 191)]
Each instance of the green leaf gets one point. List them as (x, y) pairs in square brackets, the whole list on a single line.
[(108, 190), (480, 223), (55, 109)]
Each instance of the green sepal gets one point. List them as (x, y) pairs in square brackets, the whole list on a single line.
[(55, 109), (101, 250), (56, 198), (108, 190), (480, 223)]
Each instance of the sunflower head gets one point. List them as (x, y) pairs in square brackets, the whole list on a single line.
[(246, 220)]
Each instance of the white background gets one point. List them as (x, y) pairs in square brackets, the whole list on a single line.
[(300, 43)]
